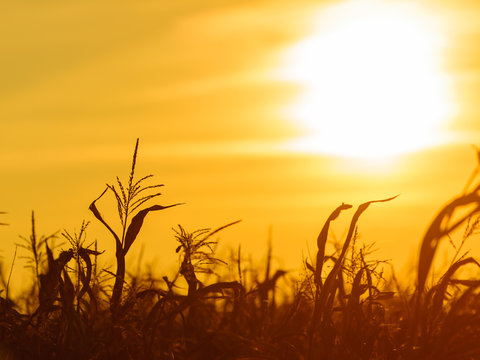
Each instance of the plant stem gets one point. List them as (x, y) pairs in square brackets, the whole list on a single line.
[(11, 270)]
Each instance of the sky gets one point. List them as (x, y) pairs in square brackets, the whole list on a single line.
[(209, 89)]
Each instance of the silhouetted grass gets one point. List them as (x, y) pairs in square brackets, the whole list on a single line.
[(342, 307)]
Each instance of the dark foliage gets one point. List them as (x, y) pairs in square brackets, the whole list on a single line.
[(341, 308)]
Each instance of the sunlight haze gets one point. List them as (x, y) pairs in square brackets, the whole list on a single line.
[(273, 112), (374, 80)]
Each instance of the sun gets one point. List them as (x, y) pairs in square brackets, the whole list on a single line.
[(372, 82)]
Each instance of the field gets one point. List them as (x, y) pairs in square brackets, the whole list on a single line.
[(343, 306)]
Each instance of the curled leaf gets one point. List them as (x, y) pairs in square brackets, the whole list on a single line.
[(322, 240), (96, 213), (137, 222)]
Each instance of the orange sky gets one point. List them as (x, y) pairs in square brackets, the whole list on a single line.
[(195, 81)]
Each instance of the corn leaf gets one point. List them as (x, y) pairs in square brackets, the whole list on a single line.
[(96, 213), (137, 222)]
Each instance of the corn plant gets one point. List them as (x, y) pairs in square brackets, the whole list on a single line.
[(129, 198), (34, 245), (197, 252), (429, 312), (325, 292)]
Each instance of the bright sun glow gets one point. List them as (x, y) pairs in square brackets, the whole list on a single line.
[(372, 80)]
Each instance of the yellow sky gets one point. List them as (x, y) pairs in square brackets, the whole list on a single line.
[(195, 81)]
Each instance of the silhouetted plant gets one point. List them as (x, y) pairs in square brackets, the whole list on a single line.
[(36, 257), (197, 252), (325, 292), (428, 333), (129, 198), (342, 308)]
